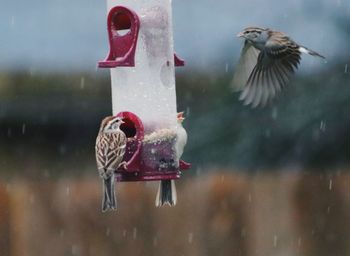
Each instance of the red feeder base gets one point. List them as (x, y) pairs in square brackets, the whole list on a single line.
[(147, 160)]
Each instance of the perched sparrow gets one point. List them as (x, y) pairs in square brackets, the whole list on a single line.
[(181, 135), (268, 60), (110, 149), (167, 190)]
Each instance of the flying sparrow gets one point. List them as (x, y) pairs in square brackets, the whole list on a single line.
[(167, 190), (268, 60), (110, 149)]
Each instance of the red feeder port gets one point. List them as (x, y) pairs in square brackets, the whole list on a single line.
[(134, 131), (123, 28), (146, 159)]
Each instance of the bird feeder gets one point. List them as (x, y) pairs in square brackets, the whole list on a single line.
[(141, 60)]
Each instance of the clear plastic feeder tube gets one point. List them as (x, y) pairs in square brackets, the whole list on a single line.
[(148, 88)]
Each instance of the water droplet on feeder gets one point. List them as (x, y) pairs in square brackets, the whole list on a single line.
[(316, 135), (75, 249), (32, 71), (32, 199), (134, 233), (275, 240), (46, 173), (155, 241), (23, 128), (243, 232), (249, 198), (330, 184), (188, 111), (323, 126), (222, 178), (82, 82), (226, 67), (198, 171), (62, 149), (299, 241), (190, 238), (67, 191), (274, 113), (13, 21), (43, 119), (8, 188), (9, 132), (124, 233), (108, 231), (346, 68)]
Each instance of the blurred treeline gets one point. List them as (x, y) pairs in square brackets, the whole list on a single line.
[(49, 121)]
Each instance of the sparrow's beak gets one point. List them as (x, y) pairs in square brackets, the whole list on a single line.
[(180, 116), (122, 122), (240, 34)]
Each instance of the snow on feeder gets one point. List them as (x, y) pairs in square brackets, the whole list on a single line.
[(141, 61)]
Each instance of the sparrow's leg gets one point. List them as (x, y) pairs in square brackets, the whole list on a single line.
[(123, 165)]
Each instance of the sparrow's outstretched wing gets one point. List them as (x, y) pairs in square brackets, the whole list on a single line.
[(275, 65), (245, 66)]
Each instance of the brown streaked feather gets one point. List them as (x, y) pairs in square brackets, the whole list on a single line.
[(110, 149), (275, 65), (105, 121), (255, 29)]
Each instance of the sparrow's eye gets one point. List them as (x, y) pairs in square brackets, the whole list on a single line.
[(250, 35)]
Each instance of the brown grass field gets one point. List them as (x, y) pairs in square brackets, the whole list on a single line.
[(216, 214)]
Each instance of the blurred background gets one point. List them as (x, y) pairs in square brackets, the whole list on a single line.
[(271, 181)]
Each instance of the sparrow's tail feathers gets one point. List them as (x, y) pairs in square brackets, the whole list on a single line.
[(166, 193), (303, 49), (108, 201)]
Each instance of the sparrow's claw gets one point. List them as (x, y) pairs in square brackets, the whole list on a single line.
[(102, 173), (123, 165)]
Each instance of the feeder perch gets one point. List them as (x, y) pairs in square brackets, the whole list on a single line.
[(141, 61), (123, 28)]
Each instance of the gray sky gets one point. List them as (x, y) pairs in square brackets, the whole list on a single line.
[(71, 35)]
